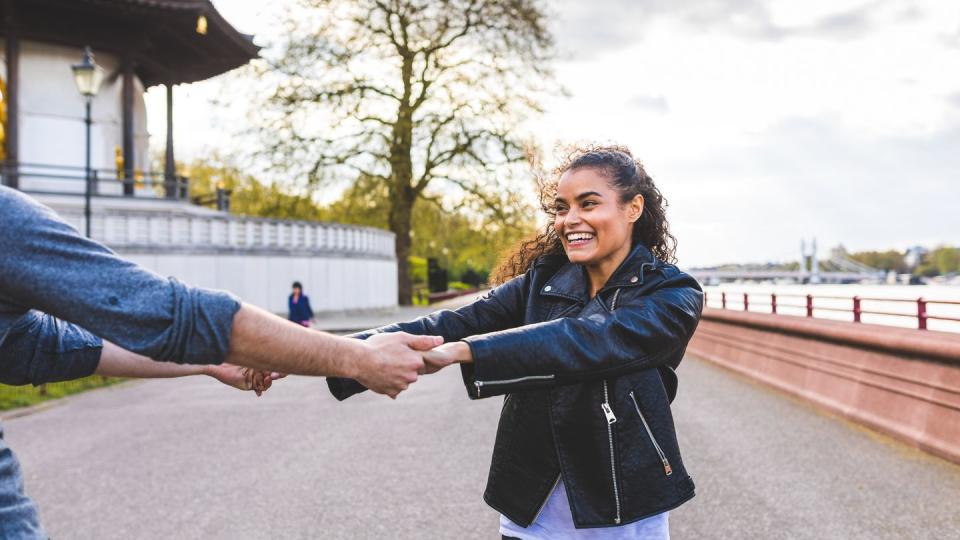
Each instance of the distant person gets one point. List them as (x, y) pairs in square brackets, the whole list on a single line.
[(581, 338), (62, 296), (298, 306)]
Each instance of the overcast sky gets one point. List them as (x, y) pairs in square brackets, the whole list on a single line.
[(763, 122)]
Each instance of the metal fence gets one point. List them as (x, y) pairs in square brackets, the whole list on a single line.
[(71, 180), (857, 306)]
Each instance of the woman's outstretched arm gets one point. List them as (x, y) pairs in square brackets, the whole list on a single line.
[(570, 350)]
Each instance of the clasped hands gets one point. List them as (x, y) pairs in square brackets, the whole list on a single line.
[(396, 359), (386, 363), (243, 378)]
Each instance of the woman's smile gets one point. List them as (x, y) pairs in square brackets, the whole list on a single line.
[(579, 240)]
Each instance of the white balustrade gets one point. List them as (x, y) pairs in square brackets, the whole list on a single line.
[(121, 228)]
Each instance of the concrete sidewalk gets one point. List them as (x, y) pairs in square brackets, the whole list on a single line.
[(191, 459)]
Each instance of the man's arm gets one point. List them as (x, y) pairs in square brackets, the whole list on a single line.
[(265, 342), (118, 362), (385, 363), (40, 349)]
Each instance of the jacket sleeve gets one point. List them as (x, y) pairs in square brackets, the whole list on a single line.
[(641, 334), (501, 308)]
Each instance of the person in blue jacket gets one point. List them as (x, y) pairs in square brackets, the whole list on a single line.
[(298, 306)]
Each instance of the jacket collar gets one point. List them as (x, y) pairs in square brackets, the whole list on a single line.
[(570, 281)]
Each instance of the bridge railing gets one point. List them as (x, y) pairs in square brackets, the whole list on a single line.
[(808, 304)]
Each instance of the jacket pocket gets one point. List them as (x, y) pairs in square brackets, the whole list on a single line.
[(667, 469)]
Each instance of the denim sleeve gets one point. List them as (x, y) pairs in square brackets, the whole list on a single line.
[(40, 348), (47, 265)]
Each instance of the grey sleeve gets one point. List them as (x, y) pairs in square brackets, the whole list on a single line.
[(47, 265)]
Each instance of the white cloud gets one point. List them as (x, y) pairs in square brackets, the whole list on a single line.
[(785, 119), (762, 121)]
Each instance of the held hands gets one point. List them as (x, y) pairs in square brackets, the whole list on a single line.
[(243, 378), (390, 364), (456, 352), (393, 361)]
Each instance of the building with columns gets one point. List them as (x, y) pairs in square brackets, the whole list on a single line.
[(145, 214)]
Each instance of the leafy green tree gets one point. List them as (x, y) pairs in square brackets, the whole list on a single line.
[(461, 239), (248, 197), (464, 239), (420, 97), (882, 260), (940, 261)]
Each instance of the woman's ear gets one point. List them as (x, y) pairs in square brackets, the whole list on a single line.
[(635, 209)]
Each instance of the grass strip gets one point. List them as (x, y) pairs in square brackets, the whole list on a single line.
[(13, 397)]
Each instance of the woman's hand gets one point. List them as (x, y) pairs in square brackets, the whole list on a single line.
[(455, 352), (243, 378)]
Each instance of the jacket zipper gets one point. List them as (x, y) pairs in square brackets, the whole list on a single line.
[(613, 301), (611, 419), (480, 384), (663, 457)]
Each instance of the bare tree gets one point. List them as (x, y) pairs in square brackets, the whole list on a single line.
[(411, 93)]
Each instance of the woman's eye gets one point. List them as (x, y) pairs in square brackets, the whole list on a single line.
[(588, 204), (561, 210)]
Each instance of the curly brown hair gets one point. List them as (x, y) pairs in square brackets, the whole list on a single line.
[(627, 176)]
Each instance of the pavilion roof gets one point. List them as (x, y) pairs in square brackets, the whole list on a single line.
[(159, 36)]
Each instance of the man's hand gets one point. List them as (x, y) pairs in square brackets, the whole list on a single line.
[(394, 361), (243, 378), (446, 354)]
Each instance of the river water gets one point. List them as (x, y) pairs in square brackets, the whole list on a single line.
[(841, 298)]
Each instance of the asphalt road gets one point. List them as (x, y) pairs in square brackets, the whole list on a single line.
[(190, 459)]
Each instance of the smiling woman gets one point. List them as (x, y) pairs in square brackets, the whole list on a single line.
[(619, 181), (582, 336)]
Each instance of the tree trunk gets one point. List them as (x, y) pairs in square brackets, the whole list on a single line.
[(404, 195), (401, 213)]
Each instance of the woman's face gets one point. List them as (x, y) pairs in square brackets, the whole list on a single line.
[(592, 223)]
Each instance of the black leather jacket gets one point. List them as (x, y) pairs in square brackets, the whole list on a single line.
[(588, 386)]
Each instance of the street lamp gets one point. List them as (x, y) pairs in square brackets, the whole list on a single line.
[(88, 76)]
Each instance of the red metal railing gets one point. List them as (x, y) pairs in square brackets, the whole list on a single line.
[(856, 305)]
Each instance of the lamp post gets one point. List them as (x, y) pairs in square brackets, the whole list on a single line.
[(88, 76)]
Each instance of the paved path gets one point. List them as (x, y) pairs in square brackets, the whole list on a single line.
[(190, 459), (343, 323)]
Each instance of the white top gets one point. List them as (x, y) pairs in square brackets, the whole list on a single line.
[(556, 523)]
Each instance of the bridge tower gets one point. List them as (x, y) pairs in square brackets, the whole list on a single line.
[(809, 265)]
